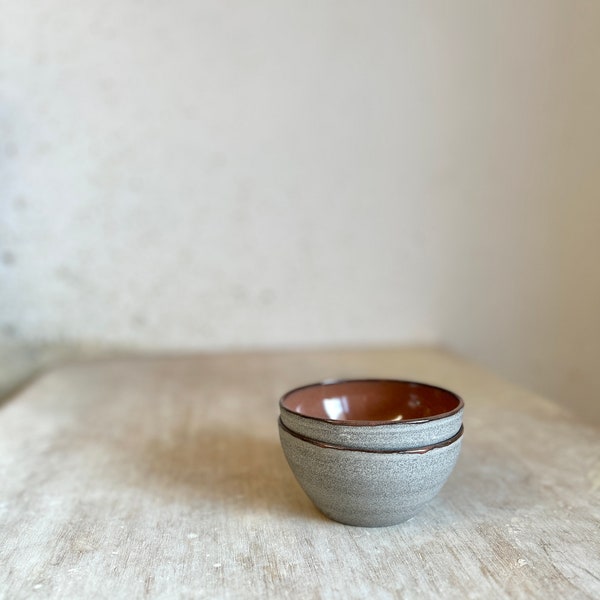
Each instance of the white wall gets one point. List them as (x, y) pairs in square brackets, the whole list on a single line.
[(207, 175), (528, 246)]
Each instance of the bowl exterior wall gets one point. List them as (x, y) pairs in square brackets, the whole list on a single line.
[(365, 488), (400, 435)]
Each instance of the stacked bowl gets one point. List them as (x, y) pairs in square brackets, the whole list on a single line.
[(371, 452)]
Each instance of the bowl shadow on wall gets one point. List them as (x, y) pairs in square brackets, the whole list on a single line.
[(233, 469)]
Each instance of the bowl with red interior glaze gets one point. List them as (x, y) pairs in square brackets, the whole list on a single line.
[(373, 414)]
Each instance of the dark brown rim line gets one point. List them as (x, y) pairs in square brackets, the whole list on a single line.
[(327, 382), (420, 450)]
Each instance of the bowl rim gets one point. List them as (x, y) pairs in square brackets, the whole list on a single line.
[(373, 423), (420, 450)]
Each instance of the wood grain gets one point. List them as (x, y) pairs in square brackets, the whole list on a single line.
[(163, 478)]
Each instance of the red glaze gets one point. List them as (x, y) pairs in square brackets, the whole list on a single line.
[(372, 401)]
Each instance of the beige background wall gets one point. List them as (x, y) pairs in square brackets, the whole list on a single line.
[(214, 175)]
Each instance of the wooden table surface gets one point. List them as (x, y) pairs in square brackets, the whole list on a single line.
[(163, 478)]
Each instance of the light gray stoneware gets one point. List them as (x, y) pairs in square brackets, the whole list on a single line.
[(365, 488), (440, 414)]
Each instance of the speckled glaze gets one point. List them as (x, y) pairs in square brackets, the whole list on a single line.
[(369, 488), (391, 435)]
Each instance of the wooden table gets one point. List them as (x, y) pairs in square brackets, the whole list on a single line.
[(163, 477)]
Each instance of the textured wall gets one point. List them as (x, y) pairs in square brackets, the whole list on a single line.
[(528, 251), (221, 173), (207, 174)]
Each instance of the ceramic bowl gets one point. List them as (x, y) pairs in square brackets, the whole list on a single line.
[(368, 488), (373, 414)]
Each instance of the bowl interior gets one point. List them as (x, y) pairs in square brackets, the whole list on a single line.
[(372, 400)]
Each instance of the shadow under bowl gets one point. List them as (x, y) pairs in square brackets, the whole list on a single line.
[(373, 414), (366, 488)]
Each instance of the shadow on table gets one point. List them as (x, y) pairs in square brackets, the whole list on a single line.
[(233, 469), (487, 483)]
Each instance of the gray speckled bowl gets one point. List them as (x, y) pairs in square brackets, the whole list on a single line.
[(366, 488), (373, 414)]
